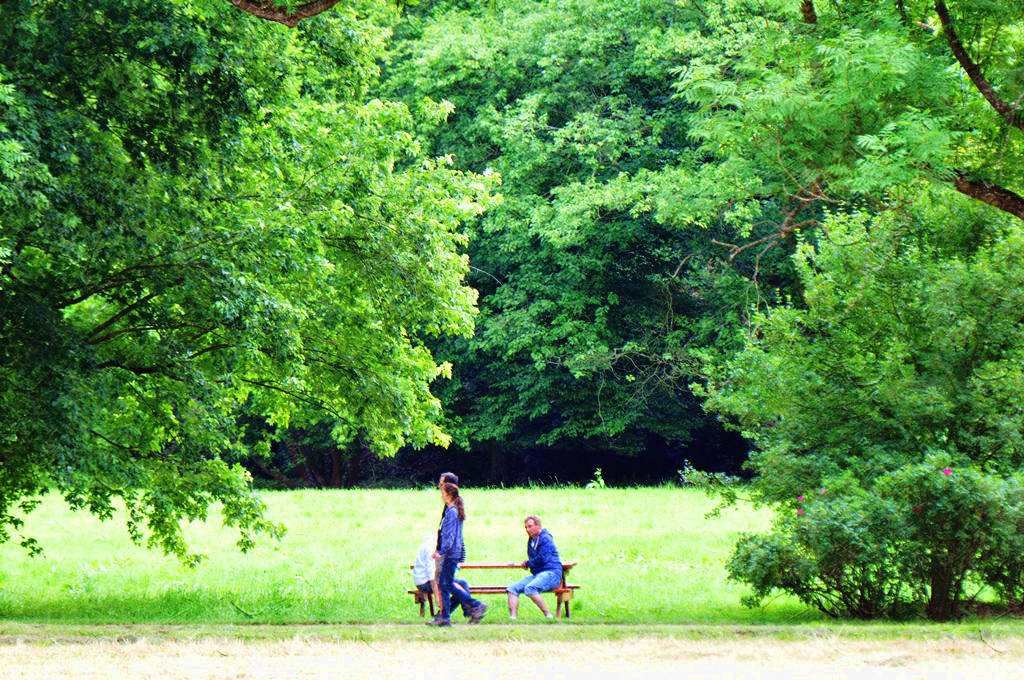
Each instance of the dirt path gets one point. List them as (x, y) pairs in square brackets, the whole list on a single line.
[(825, 657)]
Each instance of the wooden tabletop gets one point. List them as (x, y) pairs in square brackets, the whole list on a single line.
[(506, 565), (566, 566)]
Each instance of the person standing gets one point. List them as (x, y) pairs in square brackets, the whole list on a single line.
[(447, 478), (545, 567), (451, 550), (450, 478)]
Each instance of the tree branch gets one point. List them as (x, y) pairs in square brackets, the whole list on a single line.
[(807, 10), (805, 197), (127, 310), (137, 370), (119, 278), (211, 348), (1007, 111), (993, 194), (266, 9), (112, 443), (316, 403)]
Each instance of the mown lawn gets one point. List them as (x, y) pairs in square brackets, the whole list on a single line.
[(646, 556)]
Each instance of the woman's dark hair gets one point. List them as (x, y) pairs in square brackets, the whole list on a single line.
[(450, 478), (453, 492)]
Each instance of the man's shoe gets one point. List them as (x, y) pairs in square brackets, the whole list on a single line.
[(441, 621), (478, 613)]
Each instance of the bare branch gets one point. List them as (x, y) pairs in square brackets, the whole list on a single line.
[(807, 195)]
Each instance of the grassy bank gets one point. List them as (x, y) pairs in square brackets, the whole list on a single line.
[(646, 556)]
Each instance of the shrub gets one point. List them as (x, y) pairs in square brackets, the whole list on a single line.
[(913, 542), (837, 553), (949, 517)]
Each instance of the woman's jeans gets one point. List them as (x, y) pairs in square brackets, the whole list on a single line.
[(446, 584)]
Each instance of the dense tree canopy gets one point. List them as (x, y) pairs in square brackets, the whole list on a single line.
[(201, 217), (843, 103), (214, 233), (591, 300)]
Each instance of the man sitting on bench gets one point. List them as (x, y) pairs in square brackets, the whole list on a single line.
[(545, 569)]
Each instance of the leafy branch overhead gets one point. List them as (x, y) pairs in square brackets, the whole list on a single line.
[(152, 303), (855, 100)]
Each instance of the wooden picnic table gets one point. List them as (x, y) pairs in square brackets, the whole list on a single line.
[(563, 592)]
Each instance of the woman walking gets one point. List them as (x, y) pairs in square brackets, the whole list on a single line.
[(452, 551)]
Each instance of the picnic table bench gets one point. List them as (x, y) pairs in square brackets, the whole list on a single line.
[(563, 592)]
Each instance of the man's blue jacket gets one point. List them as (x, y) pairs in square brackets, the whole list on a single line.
[(541, 553)]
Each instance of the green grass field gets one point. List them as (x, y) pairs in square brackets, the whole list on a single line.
[(646, 555)]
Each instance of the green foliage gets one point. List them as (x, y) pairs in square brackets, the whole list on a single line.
[(1002, 560), (202, 215), (593, 298), (867, 98), (914, 542), (904, 361), (838, 551)]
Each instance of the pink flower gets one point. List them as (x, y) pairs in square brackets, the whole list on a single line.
[(947, 472), (799, 498), (800, 511), (823, 491), (917, 509)]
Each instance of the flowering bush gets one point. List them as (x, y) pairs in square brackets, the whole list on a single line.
[(949, 519), (1002, 559)]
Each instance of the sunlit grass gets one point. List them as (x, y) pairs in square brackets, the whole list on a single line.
[(646, 555)]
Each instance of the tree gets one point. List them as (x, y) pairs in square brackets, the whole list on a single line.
[(201, 219), (593, 293), (887, 413), (877, 376), (837, 104)]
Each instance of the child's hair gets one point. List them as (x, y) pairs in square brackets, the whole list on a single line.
[(453, 493)]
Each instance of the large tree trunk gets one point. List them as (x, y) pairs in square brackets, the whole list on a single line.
[(499, 463), (335, 456), (940, 599), (271, 472)]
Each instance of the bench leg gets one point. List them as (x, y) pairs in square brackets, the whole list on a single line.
[(563, 600), (425, 598)]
